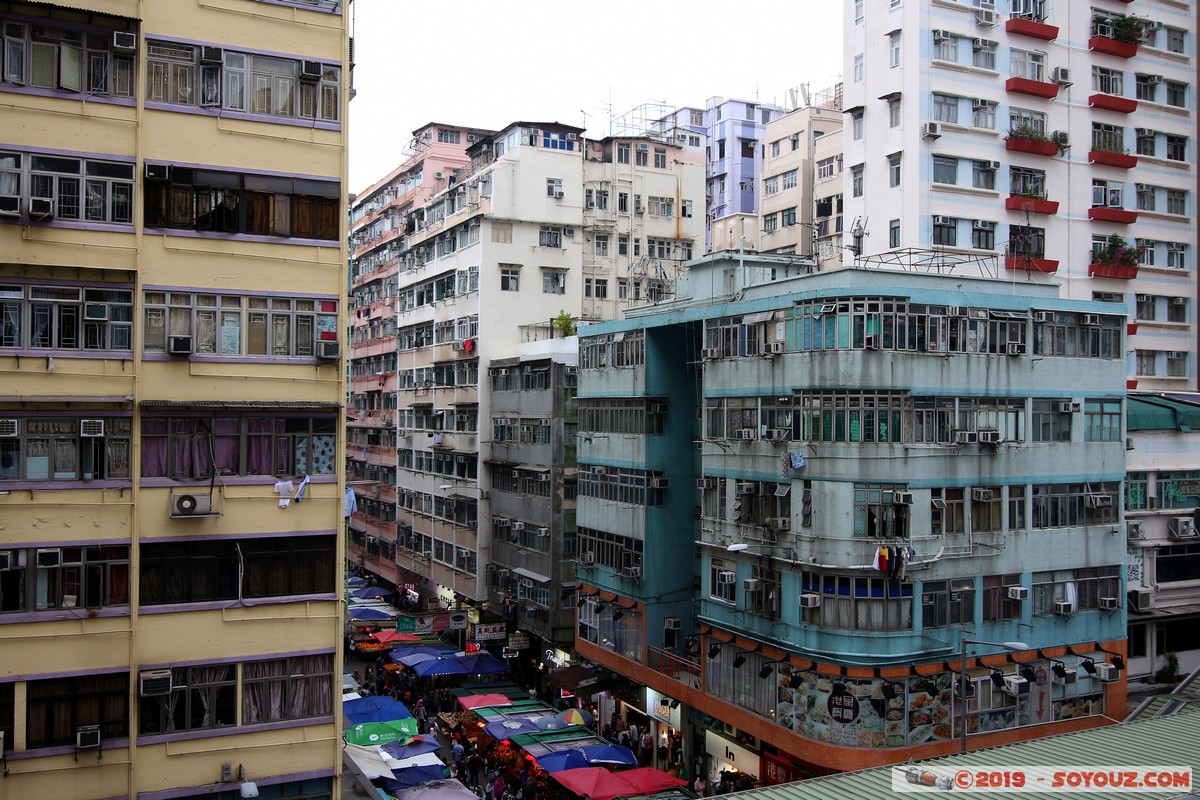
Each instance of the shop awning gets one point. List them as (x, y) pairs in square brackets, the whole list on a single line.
[(533, 576), (575, 678), (1170, 611), (1161, 414)]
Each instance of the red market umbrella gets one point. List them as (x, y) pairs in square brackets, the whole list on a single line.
[(648, 780), (472, 701), (594, 782)]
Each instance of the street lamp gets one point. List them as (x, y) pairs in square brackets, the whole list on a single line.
[(962, 678), (739, 547)]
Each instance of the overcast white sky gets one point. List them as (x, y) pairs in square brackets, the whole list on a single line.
[(487, 64)]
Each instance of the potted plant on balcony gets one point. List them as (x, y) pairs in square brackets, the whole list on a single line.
[(1111, 153), (1115, 259), (1027, 139), (1117, 34)]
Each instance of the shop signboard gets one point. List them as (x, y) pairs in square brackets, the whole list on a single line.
[(490, 632)]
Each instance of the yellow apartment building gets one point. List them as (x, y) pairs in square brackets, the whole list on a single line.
[(172, 281)]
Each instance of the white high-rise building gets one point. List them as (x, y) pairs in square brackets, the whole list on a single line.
[(1042, 142)]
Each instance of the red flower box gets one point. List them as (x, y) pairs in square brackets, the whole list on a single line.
[(1110, 269), (1118, 215), (1029, 27), (1131, 328), (1035, 88), (1030, 264), (1131, 383), (1103, 44), (1109, 159), (1033, 205), (1111, 102), (1038, 148)]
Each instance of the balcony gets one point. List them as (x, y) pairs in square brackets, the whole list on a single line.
[(1024, 144), (676, 667), (1110, 159), (1031, 205), (1112, 269), (1031, 87), (1027, 264), (1117, 215), (1109, 102), (1112, 47), (1116, 34), (1032, 28)]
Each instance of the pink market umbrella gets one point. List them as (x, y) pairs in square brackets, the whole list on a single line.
[(395, 636), (595, 782), (648, 780), (576, 716), (473, 701)]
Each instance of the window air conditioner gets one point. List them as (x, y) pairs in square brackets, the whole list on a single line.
[(91, 428), (705, 483), (660, 483), (958, 689), (750, 585), (1109, 603), (210, 55), (781, 524), (1016, 348), (810, 600), (179, 345), (1141, 599), (1064, 676), (518, 526), (989, 437), (568, 232), (1179, 301), (41, 208), (328, 351), (587, 559), (1018, 592), (726, 577), (1182, 528), (672, 624), (780, 434), (1016, 685), (1107, 672), (1091, 319), (983, 225), (310, 71), (154, 682), (1135, 529), (941, 220), (124, 41), (87, 737), (931, 130), (1155, 80), (902, 498), (1043, 316), (1099, 501), (1064, 608), (981, 44), (1176, 355), (966, 437), (543, 477), (747, 487), (643, 146), (49, 557), (190, 505), (633, 572), (1061, 138), (986, 16), (1061, 76), (982, 495), (942, 35), (558, 195), (745, 433)]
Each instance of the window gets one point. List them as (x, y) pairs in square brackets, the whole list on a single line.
[(1176, 40), (554, 187), (945, 170), (246, 82), (983, 234), (1145, 141), (894, 50), (858, 67), (685, 209), (856, 126), (1146, 308), (1082, 587), (201, 697), (550, 237), (661, 206), (623, 240), (184, 448), (260, 567), (983, 175), (945, 231), (448, 136), (602, 243), (57, 449), (894, 233), (1177, 364), (61, 59), (720, 585), (1177, 255), (983, 114), (894, 112), (1177, 201), (1108, 137), (1027, 64), (1145, 87), (1178, 562), (787, 217), (1102, 421), (1025, 182), (1177, 147), (510, 279), (1146, 362), (623, 202), (770, 223), (771, 186), (554, 281), (233, 325), (876, 513), (1177, 93), (226, 202), (63, 317), (1177, 309), (601, 289), (948, 603), (557, 141), (945, 48), (997, 605), (983, 55), (789, 179), (858, 12), (622, 152), (1147, 248), (858, 603), (660, 158), (56, 707), (1108, 81), (36, 579), (894, 170), (856, 181), (287, 688), (775, 148), (795, 142), (1020, 118), (643, 155), (1025, 240), (65, 188)]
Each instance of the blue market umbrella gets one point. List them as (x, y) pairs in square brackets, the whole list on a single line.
[(562, 759), (483, 664), (408, 653), (355, 582), (410, 776), (439, 666), (608, 754), (415, 746), (374, 709), (502, 729), (551, 723), (369, 614), (367, 592)]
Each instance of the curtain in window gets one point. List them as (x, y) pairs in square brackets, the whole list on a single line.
[(183, 440), (258, 212), (207, 695), (312, 687), (259, 446), (226, 444), (262, 693), (170, 703), (118, 580), (154, 448)]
